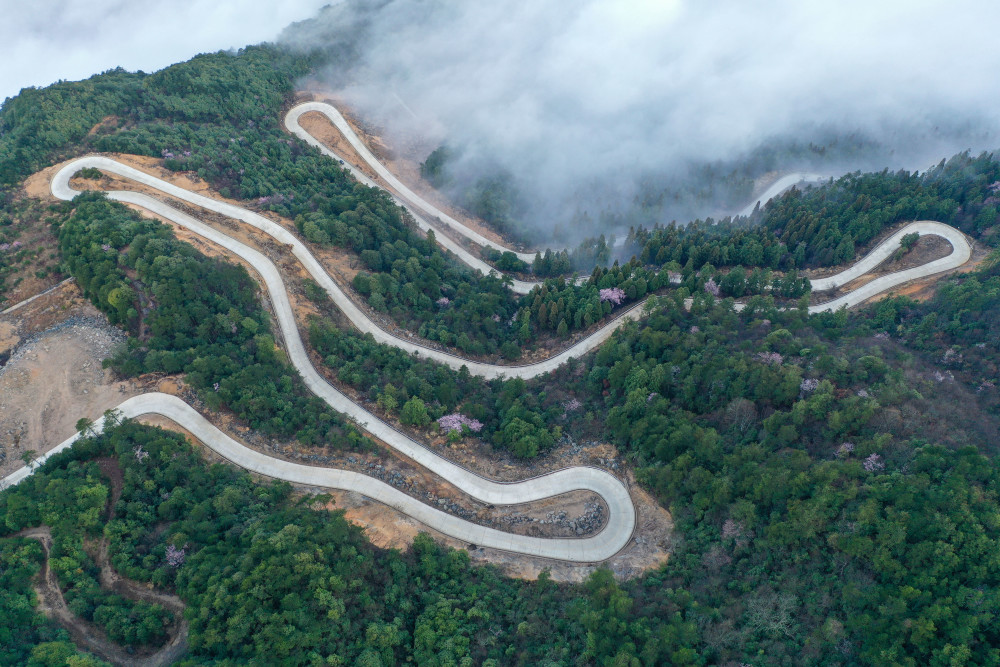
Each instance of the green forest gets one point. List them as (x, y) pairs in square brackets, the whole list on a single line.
[(833, 478)]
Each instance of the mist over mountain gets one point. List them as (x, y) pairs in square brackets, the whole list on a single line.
[(605, 112)]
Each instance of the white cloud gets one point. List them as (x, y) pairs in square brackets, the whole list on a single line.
[(566, 93), (42, 41)]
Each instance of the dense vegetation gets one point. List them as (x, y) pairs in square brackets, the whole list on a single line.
[(395, 381), (819, 479), (795, 453), (824, 226), (268, 577), (192, 314), (959, 327), (833, 478), (26, 637), (70, 502), (220, 117)]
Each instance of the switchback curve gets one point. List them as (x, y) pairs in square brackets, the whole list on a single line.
[(961, 251), (407, 198), (272, 277), (411, 200), (605, 544), (621, 520)]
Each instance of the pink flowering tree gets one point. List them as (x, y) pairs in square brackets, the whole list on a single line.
[(874, 463), (457, 423), (712, 287), (616, 295), (175, 556), (772, 358)]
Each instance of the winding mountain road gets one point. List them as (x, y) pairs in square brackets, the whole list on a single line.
[(621, 519), (784, 183), (410, 200), (961, 251), (406, 197), (272, 277), (605, 544)]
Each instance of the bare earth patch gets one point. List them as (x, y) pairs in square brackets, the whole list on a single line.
[(575, 514), (649, 548), (389, 528), (52, 377), (927, 249), (106, 125), (36, 270)]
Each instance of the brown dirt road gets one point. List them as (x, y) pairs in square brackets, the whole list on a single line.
[(89, 637)]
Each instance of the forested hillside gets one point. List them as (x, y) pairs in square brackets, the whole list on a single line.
[(833, 478), (268, 577)]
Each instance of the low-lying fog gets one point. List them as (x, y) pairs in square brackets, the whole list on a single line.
[(647, 106)]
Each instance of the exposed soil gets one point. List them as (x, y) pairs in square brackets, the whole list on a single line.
[(36, 267), (927, 249), (50, 372), (106, 125), (925, 288), (650, 547), (575, 514), (320, 127)]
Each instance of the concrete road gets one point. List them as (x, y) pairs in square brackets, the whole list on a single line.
[(413, 199), (784, 183), (420, 207), (272, 278), (605, 544), (961, 251), (621, 519)]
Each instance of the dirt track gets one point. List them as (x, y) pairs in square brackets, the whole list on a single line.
[(86, 635), (91, 638)]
